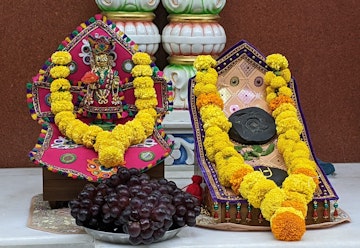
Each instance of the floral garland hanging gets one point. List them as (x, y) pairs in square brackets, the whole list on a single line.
[(111, 146), (285, 207)]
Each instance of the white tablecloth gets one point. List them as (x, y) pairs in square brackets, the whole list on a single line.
[(20, 185)]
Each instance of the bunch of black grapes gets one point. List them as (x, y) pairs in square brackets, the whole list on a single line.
[(131, 202)]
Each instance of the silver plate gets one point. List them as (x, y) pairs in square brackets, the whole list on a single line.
[(122, 238)]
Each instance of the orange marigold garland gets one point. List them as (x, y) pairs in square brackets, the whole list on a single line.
[(210, 98), (277, 101), (288, 224)]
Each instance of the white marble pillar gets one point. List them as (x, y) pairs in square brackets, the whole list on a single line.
[(135, 19), (193, 30)]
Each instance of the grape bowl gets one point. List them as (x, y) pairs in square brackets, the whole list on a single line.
[(130, 207), (122, 238)]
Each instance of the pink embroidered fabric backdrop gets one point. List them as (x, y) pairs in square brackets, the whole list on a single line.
[(318, 38)]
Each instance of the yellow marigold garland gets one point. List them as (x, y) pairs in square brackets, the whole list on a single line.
[(287, 222), (111, 146), (61, 58), (285, 207), (277, 62), (272, 201)]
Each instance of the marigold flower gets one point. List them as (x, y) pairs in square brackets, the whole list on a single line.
[(278, 82), (212, 131), (289, 155), (70, 125), (148, 122), (301, 145), (210, 111), (285, 114), (209, 76), (277, 61), (301, 162), (249, 181), (233, 165), (286, 74), (209, 148), (228, 152), (77, 132), (283, 107), (137, 131), (287, 124), (276, 102), (101, 139), (145, 93), (62, 105), (148, 111), (63, 124), (269, 75), (60, 84), (271, 202), (287, 224), (143, 82), (120, 133), (201, 88), (270, 90), (296, 205), (111, 156), (219, 145), (225, 153), (220, 121), (106, 138), (63, 115), (146, 103), (237, 177), (141, 58), (59, 71), (89, 137), (270, 97), (61, 96), (292, 135), (308, 172), (61, 58), (198, 89), (225, 172), (210, 98), (142, 71), (204, 62), (286, 91), (219, 160), (301, 184), (259, 190), (283, 144)]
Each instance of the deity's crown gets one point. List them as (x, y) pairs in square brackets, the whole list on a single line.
[(100, 45)]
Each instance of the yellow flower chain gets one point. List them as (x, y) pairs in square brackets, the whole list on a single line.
[(276, 204), (111, 146)]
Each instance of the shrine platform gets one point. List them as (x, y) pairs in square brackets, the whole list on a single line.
[(20, 185)]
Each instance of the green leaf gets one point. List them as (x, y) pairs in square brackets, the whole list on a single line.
[(268, 150), (238, 148), (246, 156), (255, 154), (257, 148)]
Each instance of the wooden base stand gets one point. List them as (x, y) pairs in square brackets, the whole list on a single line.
[(251, 216), (58, 189)]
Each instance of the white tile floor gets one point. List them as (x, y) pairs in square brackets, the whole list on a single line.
[(20, 185)]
